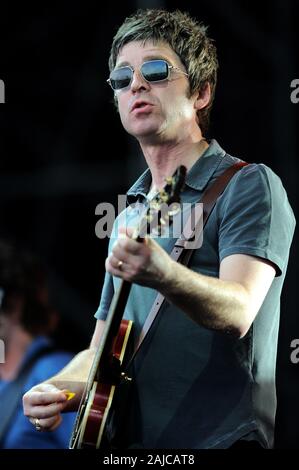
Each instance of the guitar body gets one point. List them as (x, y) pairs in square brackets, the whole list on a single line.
[(92, 417)]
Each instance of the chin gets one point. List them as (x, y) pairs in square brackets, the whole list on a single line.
[(143, 129)]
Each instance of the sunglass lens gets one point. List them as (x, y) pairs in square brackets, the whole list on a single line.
[(120, 78), (155, 70)]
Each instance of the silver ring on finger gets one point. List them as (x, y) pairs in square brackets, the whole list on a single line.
[(37, 424), (119, 265)]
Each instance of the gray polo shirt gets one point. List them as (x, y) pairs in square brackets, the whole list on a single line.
[(194, 387)]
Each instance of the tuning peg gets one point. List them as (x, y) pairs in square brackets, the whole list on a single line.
[(169, 180), (175, 209)]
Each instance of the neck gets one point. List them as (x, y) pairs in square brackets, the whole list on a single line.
[(15, 348), (163, 159)]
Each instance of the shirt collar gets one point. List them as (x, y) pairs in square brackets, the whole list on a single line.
[(197, 178)]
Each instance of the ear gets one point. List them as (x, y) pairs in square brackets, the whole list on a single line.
[(203, 97)]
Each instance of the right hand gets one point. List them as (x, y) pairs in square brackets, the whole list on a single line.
[(43, 404)]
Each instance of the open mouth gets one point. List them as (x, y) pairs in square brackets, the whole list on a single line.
[(141, 105)]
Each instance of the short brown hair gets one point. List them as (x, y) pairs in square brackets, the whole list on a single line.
[(186, 36), (23, 275)]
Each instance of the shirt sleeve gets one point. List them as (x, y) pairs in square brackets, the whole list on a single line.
[(106, 297), (255, 217), (108, 285)]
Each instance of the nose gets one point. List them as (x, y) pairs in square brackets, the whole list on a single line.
[(138, 82)]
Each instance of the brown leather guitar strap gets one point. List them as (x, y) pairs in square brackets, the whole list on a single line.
[(192, 231)]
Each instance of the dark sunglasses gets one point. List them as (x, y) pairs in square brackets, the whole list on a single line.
[(152, 71)]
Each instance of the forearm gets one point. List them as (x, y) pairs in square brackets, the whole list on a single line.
[(73, 376), (209, 301)]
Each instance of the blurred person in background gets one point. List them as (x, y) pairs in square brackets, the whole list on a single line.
[(26, 322)]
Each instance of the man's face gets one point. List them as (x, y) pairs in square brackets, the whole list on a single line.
[(154, 112)]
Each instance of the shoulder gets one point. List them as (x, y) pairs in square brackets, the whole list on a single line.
[(257, 180), (256, 197), (258, 170)]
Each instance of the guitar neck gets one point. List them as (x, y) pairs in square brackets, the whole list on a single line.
[(112, 325), (169, 195)]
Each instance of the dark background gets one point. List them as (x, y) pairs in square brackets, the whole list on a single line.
[(63, 150)]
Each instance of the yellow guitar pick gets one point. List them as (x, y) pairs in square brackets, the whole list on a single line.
[(69, 394)]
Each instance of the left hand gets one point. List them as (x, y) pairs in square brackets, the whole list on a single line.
[(144, 263)]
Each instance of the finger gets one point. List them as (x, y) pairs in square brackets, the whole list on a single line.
[(115, 263), (119, 269), (49, 424), (56, 423), (111, 266), (119, 253), (128, 231), (127, 245), (42, 412), (125, 272), (44, 398)]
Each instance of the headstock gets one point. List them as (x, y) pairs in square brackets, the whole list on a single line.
[(164, 205)]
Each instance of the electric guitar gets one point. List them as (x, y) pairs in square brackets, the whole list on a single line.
[(106, 372)]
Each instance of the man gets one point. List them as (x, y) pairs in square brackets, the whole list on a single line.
[(30, 357), (205, 377)]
